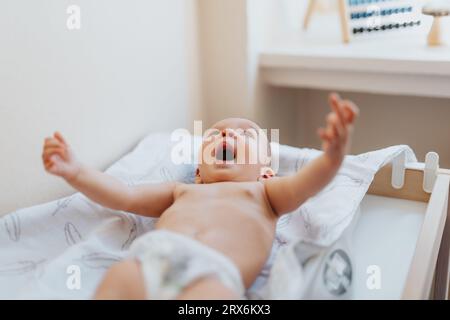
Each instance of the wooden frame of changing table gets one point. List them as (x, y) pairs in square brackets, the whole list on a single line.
[(428, 275)]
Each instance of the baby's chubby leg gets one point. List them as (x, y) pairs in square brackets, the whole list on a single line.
[(123, 281)]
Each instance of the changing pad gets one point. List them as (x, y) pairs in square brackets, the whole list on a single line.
[(42, 247)]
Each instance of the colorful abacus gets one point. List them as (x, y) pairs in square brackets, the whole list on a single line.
[(362, 17), (376, 16)]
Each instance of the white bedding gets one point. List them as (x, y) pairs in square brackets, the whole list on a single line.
[(43, 247)]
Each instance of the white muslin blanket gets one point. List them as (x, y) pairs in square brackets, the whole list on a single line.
[(61, 249)]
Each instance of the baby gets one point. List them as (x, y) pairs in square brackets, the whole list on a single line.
[(213, 237)]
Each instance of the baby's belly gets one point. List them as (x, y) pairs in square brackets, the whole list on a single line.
[(242, 239)]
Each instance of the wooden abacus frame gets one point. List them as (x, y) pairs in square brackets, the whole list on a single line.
[(343, 14)]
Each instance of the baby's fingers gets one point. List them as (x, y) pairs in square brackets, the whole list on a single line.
[(48, 164), (337, 106), (336, 126), (350, 111), (322, 134), (51, 142), (50, 151), (325, 135), (60, 138), (53, 165)]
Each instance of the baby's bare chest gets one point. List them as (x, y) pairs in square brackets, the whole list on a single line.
[(218, 192), (237, 199)]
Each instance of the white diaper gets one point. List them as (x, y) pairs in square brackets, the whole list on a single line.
[(171, 261)]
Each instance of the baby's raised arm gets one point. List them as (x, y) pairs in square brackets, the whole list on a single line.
[(285, 194), (147, 200)]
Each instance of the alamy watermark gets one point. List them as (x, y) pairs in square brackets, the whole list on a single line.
[(73, 281), (74, 19), (373, 281)]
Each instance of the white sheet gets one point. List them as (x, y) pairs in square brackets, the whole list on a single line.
[(323, 218), (43, 247)]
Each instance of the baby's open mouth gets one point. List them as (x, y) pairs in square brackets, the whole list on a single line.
[(225, 152)]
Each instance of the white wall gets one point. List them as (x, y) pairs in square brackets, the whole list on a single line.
[(272, 107), (223, 38), (231, 34), (130, 70)]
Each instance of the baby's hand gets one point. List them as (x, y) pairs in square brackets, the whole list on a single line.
[(59, 159), (336, 136)]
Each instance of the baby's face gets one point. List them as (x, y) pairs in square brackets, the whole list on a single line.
[(233, 150)]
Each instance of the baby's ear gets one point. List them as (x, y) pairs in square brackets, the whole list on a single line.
[(198, 179), (266, 173)]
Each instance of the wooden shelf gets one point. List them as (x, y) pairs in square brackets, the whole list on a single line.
[(398, 64)]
